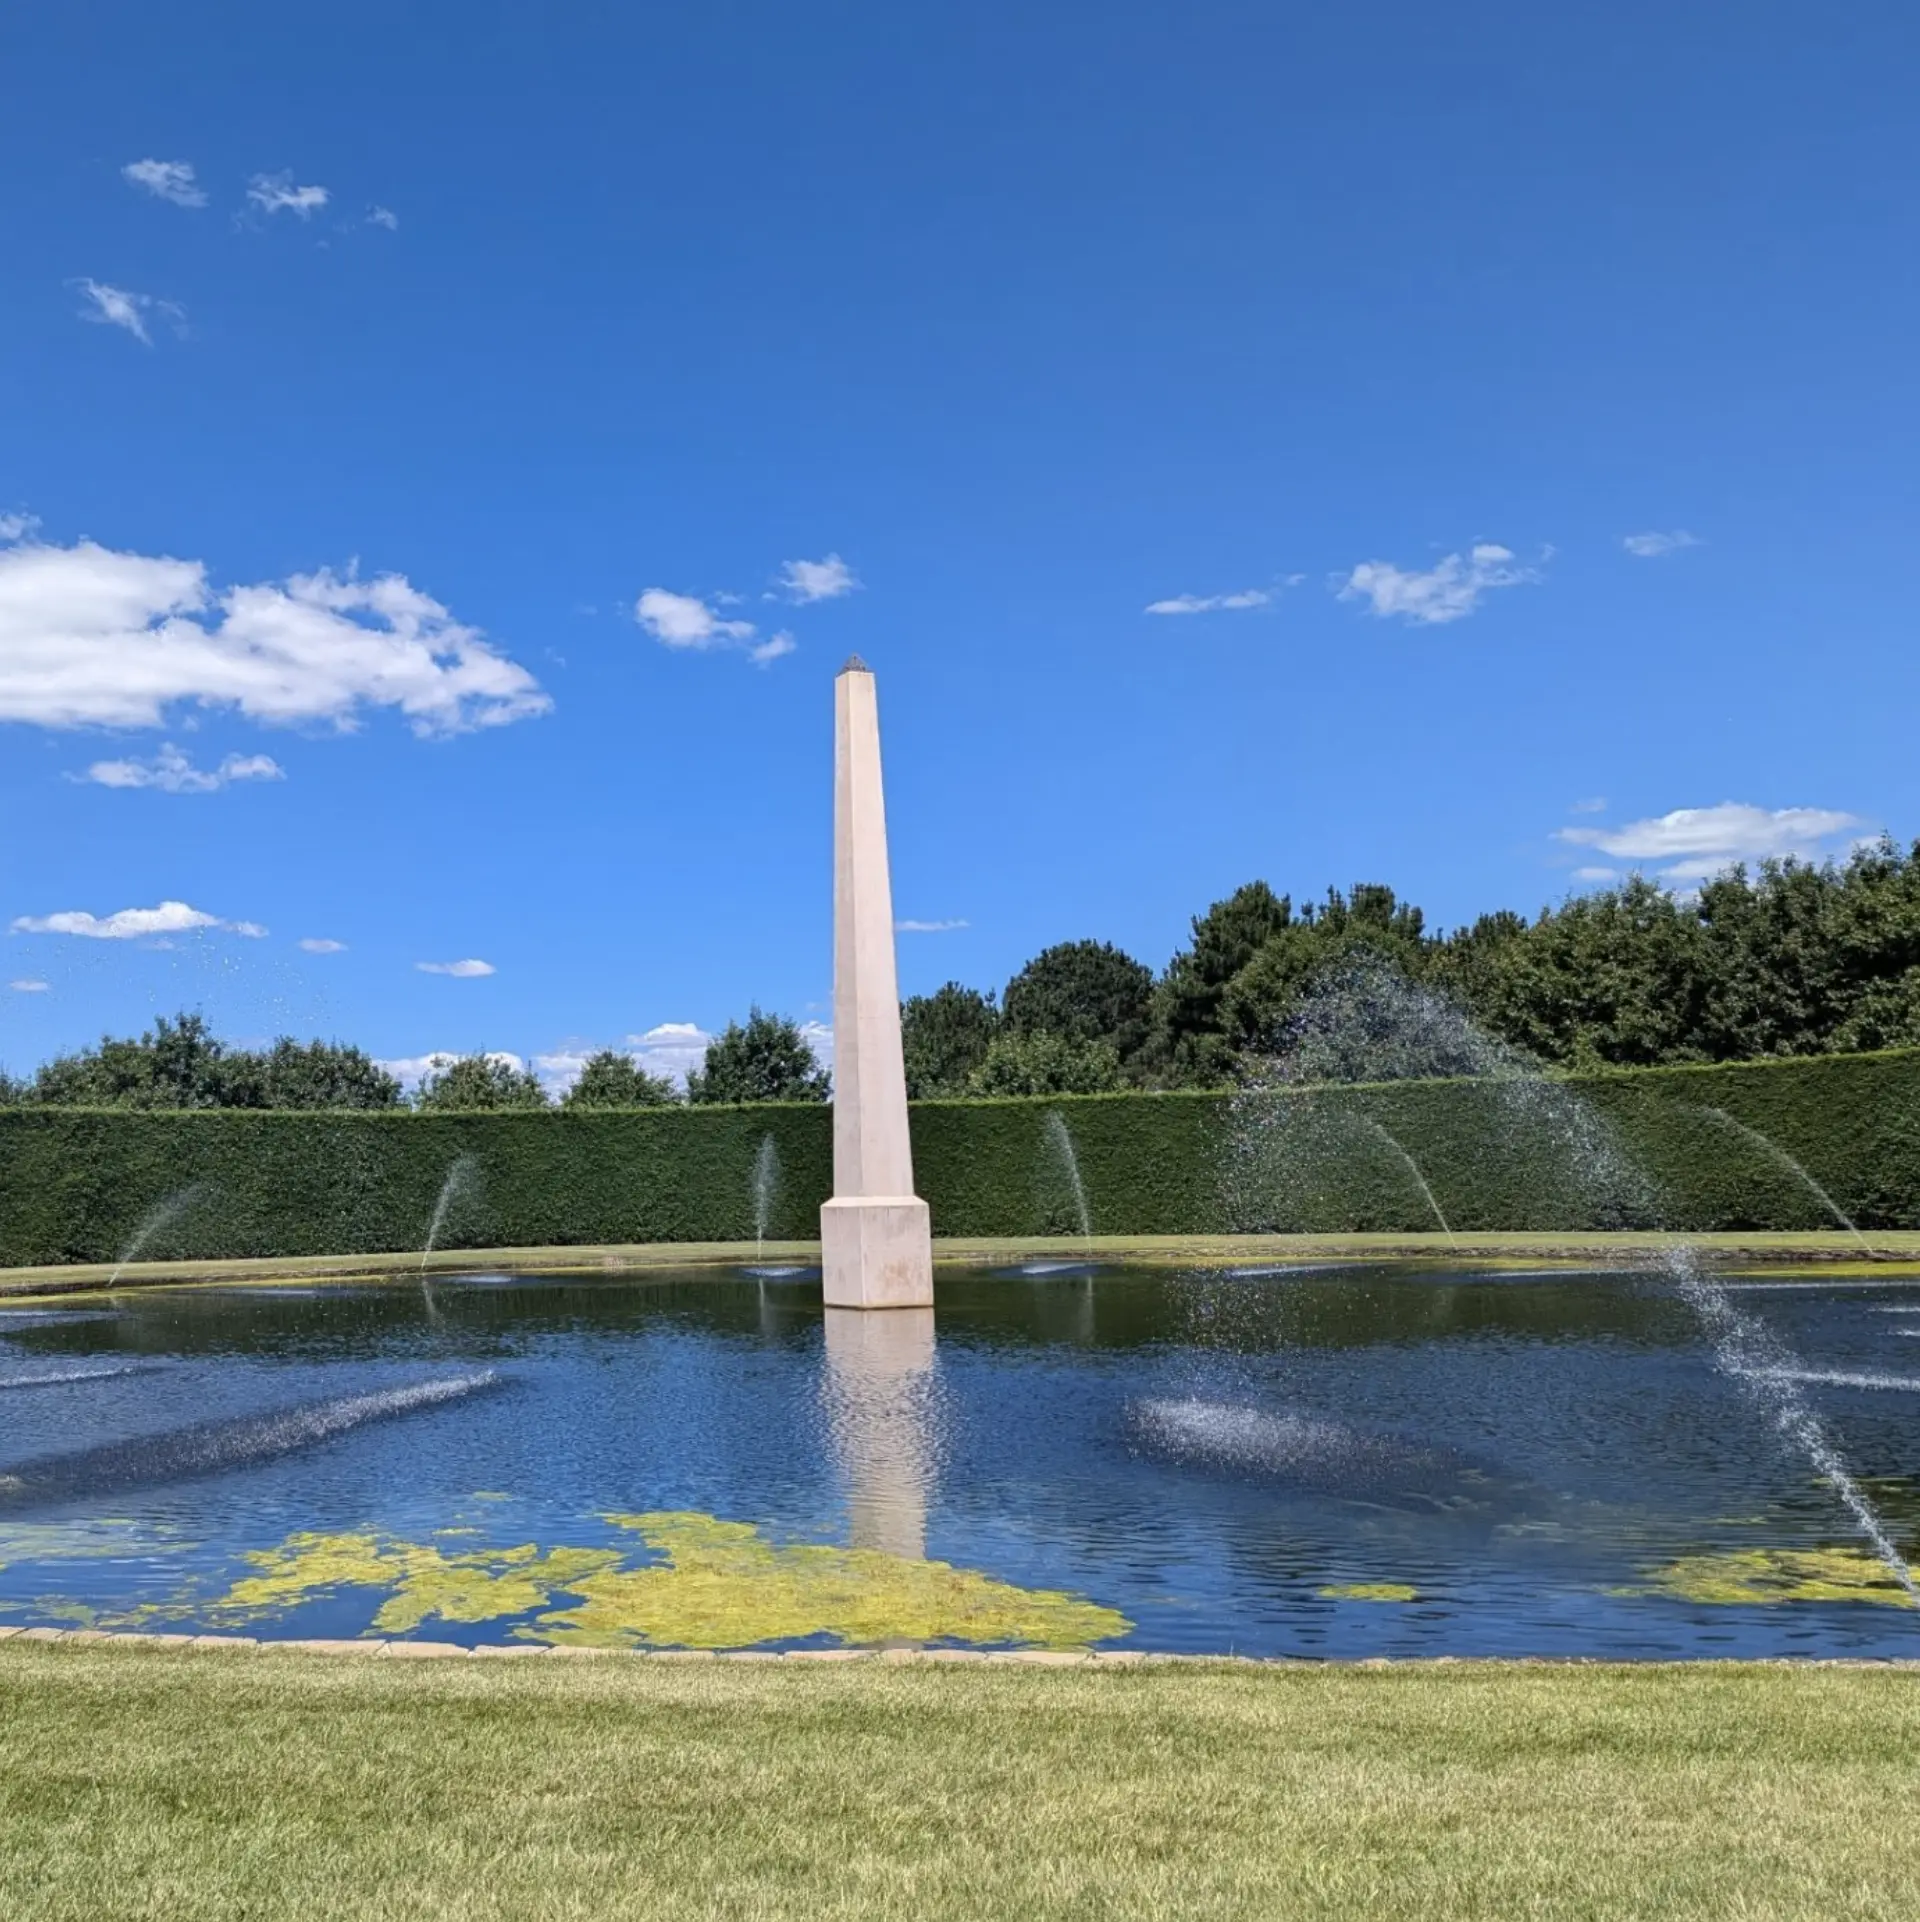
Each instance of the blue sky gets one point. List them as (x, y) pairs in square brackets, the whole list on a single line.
[(1532, 398)]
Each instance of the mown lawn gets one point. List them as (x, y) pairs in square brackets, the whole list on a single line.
[(185, 1784)]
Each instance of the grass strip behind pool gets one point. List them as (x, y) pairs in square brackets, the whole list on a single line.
[(143, 1782)]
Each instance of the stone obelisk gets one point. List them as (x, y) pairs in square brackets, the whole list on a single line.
[(876, 1246)]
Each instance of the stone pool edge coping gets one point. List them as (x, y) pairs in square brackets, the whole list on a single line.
[(1894, 1250), (1118, 1658)]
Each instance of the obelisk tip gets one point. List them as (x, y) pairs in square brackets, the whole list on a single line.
[(855, 665)]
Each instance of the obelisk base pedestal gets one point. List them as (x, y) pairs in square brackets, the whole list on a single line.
[(876, 1251)]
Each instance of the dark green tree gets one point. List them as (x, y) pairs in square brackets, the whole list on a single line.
[(1188, 1045), (945, 1036), (1045, 1063), (1083, 991), (611, 1079), (766, 1060), (176, 1064), (307, 1074), (480, 1082)]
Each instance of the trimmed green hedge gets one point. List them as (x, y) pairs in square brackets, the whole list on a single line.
[(1616, 1150)]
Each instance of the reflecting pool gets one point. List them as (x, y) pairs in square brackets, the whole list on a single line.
[(1314, 1461)]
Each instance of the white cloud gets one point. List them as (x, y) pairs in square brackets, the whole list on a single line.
[(682, 620), (167, 180), (130, 924), (1594, 804), (1596, 874), (172, 772), (670, 1049), (17, 527), (926, 927), (1447, 591), (818, 1035), (90, 637), (1691, 843), (1651, 546), (276, 193), (460, 970), (28, 987), (826, 580), (1210, 603), (117, 307), (320, 944), (383, 217)]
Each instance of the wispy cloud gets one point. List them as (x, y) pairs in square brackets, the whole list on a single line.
[(29, 987), (1650, 546), (276, 193), (383, 217), (166, 180), (1448, 591), (460, 970), (824, 580), (17, 527), (927, 927), (1593, 804), (684, 620), (173, 772), (133, 924), (1690, 844), (320, 944), (90, 637), (1211, 603), (119, 307)]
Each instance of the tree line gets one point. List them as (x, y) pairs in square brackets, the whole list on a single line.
[(1790, 959)]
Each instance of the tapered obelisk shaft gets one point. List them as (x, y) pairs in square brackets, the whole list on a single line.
[(875, 1242)]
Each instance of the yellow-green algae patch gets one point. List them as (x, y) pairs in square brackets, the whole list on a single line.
[(480, 1586), (717, 1584), (1369, 1592), (724, 1585), (1765, 1575)]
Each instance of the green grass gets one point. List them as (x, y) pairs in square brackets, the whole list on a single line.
[(145, 1782), (1891, 1248)]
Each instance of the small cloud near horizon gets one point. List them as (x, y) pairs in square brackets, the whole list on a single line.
[(1650, 546), (1692, 844), (276, 193), (459, 970), (28, 987), (121, 307), (1211, 603), (170, 180), (130, 924), (173, 772), (824, 580), (927, 927), (1448, 591), (320, 944)]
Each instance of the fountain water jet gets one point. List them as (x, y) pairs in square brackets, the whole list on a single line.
[(1420, 1180), (1059, 1140), (1767, 1370), (461, 1178), (1781, 1159), (161, 1215), (766, 1185), (1365, 1023)]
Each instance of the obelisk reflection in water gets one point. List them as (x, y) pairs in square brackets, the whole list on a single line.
[(879, 1393)]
